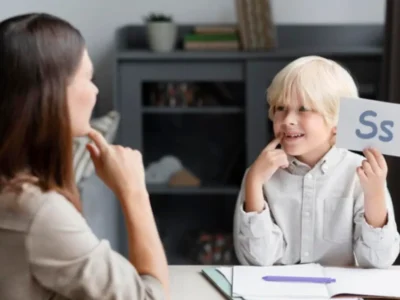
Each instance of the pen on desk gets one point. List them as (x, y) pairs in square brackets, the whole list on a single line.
[(299, 279)]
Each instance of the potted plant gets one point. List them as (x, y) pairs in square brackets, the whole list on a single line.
[(161, 32)]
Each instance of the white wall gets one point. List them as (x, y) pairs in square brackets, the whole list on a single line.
[(98, 19)]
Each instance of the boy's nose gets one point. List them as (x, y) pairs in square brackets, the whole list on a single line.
[(290, 119)]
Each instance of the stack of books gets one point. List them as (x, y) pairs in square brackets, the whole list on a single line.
[(212, 38), (255, 24)]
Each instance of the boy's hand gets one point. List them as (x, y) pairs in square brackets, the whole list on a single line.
[(268, 162), (372, 174)]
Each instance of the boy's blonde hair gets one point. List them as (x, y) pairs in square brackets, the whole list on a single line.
[(319, 82)]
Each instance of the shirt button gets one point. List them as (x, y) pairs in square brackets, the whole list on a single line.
[(306, 254), (309, 176), (307, 213)]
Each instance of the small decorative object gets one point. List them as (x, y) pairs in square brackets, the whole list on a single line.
[(159, 172), (170, 171), (161, 32), (209, 248), (184, 178), (256, 26), (185, 94)]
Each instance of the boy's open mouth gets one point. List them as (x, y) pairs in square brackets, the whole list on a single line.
[(293, 135)]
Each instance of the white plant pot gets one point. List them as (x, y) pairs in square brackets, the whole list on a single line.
[(161, 36)]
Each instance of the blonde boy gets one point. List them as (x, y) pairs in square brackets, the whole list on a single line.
[(309, 201)]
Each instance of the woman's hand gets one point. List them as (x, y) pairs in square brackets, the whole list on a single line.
[(121, 168)]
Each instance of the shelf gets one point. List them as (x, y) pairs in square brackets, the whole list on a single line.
[(278, 53), (210, 190), (193, 110)]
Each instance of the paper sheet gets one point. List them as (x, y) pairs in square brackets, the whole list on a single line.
[(381, 282), (227, 272), (368, 123), (247, 282)]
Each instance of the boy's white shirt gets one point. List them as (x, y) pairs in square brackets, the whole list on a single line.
[(315, 215)]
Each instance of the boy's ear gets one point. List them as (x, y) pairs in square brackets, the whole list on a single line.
[(334, 130)]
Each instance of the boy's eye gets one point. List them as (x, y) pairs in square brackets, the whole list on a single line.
[(280, 108), (303, 108)]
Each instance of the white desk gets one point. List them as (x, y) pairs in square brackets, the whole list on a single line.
[(188, 283)]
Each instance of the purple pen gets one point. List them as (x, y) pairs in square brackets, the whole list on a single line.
[(299, 279)]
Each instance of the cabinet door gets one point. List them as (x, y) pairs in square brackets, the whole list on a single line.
[(259, 75)]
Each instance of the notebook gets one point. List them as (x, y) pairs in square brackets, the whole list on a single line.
[(247, 282), (219, 281), (221, 278)]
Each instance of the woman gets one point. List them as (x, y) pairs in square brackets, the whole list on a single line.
[(47, 250)]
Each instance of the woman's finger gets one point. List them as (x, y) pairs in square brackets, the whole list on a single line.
[(93, 150), (99, 140)]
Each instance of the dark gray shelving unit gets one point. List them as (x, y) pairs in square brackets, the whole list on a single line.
[(244, 129), (192, 110), (213, 190)]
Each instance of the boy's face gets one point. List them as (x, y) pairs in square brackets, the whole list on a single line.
[(305, 134)]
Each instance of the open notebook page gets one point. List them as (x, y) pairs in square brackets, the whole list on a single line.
[(247, 282), (227, 273), (364, 282)]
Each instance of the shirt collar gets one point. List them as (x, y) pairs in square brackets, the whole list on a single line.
[(326, 163)]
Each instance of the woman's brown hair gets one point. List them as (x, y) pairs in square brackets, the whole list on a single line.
[(39, 54)]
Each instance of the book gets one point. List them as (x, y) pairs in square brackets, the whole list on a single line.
[(212, 45), (217, 37), (213, 29), (219, 281), (255, 24), (215, 41)]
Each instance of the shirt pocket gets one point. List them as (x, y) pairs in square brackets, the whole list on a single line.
[(338, 220)]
